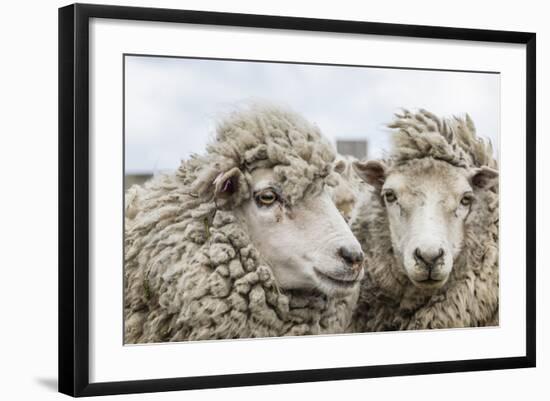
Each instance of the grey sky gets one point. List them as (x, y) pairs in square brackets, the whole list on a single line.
[(172, 103)]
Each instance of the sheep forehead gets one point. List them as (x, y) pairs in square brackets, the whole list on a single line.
[(271, 137), (262, 178), (429, 178)]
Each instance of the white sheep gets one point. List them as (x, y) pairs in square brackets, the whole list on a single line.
[(350, 191), (430, 229), (243, 241)]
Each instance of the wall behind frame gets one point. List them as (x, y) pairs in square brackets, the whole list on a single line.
[(28, 158)]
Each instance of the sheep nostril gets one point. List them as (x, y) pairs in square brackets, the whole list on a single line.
[(427, 257), (418, 255), (351, 257)]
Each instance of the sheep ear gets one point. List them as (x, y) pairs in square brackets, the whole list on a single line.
[(226, 184), (484, 177), (373, 172), (340, 166)]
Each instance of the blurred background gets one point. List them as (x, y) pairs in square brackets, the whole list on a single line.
[(172, 104)]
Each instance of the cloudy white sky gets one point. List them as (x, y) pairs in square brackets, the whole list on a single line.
[(172, 103)]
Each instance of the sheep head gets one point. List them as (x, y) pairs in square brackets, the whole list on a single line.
[(272, 169), (428, 190), (349, 191)]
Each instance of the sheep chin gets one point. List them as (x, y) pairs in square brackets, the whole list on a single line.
[(429, 284), (337, 286)]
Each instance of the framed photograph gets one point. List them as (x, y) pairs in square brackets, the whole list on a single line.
[(252, 199)]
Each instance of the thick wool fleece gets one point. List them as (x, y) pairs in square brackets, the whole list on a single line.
[(191, 271), (388, 300)]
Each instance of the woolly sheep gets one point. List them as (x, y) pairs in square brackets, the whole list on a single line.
[(350, 191), (430, 229), (243, 241)]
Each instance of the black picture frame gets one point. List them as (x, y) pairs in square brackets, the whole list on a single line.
[(74, 198)]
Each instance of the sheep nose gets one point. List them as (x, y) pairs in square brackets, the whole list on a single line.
[(428, 257), (351, 256)]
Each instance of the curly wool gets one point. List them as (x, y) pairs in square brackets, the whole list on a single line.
[(453, 140), (388, 300), (191, 270)]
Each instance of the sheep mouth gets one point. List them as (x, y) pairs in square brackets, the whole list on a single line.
[(429, 283), (345, 282)]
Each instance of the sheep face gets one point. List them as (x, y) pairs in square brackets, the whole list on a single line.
[(308, 244), (427, 203), (350, 189)]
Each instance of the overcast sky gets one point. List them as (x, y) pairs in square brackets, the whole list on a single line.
[(172, 103)]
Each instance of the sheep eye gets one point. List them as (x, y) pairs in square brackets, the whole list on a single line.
[(466, 200), (266, 197), (390, 196)]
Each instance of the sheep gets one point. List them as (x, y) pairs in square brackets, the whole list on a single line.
[(430, 229), (351, 190), (243, 241)]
